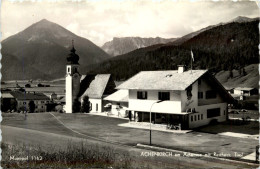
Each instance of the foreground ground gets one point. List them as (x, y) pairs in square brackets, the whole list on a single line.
[(46, 130)]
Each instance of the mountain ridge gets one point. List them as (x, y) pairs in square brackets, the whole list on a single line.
[(40, 51), (226, 47), (122, 45)]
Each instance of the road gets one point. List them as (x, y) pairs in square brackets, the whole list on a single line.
[(14, 135)]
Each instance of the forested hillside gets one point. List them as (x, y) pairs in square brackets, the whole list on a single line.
[(224, 47)]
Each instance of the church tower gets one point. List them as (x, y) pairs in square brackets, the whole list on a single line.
[(72, 80)]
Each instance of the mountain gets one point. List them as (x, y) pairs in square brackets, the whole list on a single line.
[(40, 51), (229, 46), (119, 46), (241, 19)]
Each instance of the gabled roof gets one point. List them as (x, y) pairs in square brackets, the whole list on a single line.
[(162, 80), (29, 96), (118, 96), (244, 88), (93, 86), (7, 96)]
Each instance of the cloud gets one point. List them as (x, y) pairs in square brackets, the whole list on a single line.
[(100, 21)]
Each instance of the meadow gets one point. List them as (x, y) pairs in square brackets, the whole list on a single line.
[(73, 156)]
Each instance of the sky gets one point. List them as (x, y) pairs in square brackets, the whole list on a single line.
[(101, 20)]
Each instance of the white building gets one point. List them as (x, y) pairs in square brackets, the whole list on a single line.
[(189, 99), (245, 91), (119, 102)]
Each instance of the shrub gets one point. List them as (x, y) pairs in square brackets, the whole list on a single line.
[(85, 107)]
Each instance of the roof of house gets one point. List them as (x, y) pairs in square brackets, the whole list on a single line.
[(29, 96), (93, 85), (244, 88), (162, 80), (118, 96), (7, 95)]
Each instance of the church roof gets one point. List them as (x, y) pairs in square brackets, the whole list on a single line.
[(93, 86)]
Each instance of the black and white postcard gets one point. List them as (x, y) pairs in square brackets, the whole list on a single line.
[(154, 84)]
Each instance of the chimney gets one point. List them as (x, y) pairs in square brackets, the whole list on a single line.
[(181, 68)]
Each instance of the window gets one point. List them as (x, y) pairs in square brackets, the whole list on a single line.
[(68, 69), (43, 101), (42, 106), (191, 118), (213, 112), (24, 102), (141, 95), (96, 107), (198, 117), (211, 94), (201, 116), (164, 96), (200, 95), (195, 118)]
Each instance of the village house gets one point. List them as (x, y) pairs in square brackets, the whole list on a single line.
[(95, 86), (23, 98), (188, 99), (119, 102), (245, 91), (8, 102)]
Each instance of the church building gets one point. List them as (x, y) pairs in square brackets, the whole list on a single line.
[(95, 86)]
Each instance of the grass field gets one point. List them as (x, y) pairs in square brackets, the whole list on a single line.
[(73, 156), (106, 128)]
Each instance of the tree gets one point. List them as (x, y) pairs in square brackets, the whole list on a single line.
[(85, 107), (27, 85), (76, 106), (240, 71), (244, 72), (31, 106), (230, 74)]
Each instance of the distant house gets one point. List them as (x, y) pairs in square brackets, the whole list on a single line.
[(23, 98), (119, 102), (8, 102), (184, 98), (96, 87), (245, 91), (52, 96)]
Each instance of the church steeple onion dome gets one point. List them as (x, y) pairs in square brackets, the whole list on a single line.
[(73, 58)]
